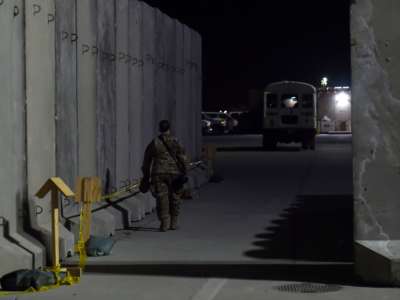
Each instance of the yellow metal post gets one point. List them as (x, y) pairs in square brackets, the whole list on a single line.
[(55, 245), (55, 185)]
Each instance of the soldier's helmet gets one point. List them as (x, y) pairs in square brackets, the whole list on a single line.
[(164, 126)]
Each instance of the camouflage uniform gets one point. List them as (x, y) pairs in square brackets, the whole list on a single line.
[(162, 169)]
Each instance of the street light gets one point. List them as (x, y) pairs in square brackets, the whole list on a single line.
[(324, 82)]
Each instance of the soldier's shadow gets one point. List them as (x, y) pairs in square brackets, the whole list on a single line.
[(141, 228)]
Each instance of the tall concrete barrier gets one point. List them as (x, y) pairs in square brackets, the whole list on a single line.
[(187, 55), (169, 45), (376, 139), (180, 114), (149, 128), (40, 115), (88, 51), (106, 92), (16, 249), (136, 91), (66, 104), (195, 66)]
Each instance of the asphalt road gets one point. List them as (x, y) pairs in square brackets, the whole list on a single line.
[(278, 217)]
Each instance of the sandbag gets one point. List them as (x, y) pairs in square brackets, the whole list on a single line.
[(99, 246), (22, 280)]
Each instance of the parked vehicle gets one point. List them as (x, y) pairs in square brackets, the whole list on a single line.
[(221, 122), (289, 114), (206, 126)]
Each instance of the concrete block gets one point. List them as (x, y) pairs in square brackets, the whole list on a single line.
[(378, 262), (40, 109), (139, 200), (135, 208)]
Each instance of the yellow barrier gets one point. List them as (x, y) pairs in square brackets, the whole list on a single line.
[(88, 191)]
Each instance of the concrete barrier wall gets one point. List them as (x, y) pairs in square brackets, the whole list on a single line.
[(13, 202), (376, 139), (179, 82), (96, 77), (376, 107)]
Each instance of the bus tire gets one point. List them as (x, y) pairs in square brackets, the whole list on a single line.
[(268, 142)]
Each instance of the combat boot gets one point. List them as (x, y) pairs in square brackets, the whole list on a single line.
[(174, 223), (165, 224)]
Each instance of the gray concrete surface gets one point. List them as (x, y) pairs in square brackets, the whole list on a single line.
[(220, 251), (376, 98)]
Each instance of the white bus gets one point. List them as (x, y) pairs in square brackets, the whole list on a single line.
[(290, 114)]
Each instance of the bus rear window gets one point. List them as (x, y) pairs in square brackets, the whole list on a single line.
[(272, 100), (308, 101), (289, 101)]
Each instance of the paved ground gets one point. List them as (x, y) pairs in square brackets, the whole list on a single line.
[(281, 217)]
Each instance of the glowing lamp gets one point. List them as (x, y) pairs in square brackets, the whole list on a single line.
[(342, 100)]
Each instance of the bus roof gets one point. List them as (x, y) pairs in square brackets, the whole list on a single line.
[(278, 84)]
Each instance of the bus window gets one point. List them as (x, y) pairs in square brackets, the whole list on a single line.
[(289, 101), (308, 101), (272, 100)]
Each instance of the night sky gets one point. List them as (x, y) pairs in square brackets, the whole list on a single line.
[(248, 44)]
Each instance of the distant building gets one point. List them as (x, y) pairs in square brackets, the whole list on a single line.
[(334, 109)]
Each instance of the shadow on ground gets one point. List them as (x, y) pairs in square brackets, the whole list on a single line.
[(257, 149), (314, 228), (324, 273)]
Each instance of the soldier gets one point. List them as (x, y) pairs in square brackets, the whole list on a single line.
[(165, 167)]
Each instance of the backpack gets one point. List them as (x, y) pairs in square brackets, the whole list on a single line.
[(24, 279), (99, 246)]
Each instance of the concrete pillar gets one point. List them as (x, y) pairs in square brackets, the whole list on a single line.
[(16, 250), (376, 139), (40, 114), (66, 96)]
